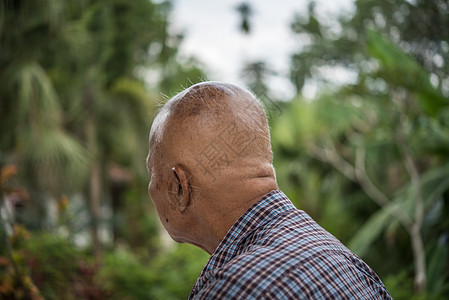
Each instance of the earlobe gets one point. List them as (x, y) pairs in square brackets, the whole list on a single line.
[(181, 190)]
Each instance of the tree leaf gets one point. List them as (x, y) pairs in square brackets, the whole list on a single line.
[(400, 69)]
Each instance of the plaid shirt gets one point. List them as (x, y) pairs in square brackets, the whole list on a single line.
[(275, 251)]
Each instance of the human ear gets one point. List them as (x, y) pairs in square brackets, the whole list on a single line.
[(180, 189)]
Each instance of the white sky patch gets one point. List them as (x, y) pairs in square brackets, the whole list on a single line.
[(212, 34)]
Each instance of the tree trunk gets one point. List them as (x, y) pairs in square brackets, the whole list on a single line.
[(94, 178), (419, 259), (95, 209)]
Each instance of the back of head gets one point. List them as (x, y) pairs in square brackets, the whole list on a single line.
[(214, 129), (210, 159)]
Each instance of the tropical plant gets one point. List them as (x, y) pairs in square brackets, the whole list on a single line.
[(391, 142), (77, 104)]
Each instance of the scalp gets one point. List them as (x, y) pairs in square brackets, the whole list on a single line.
[(212, 118)]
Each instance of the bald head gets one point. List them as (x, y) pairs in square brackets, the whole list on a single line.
[(212, 126), (210, 159)]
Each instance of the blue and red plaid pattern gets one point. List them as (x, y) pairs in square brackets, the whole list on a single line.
[(275, 251)]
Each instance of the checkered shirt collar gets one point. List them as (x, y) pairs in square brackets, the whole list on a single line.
[(256, 216)]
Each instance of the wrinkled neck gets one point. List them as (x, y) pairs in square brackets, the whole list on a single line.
[(223, 208)]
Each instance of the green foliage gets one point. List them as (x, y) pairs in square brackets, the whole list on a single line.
[(399, 286), (54, 268), (382, 139), (74, 100), (46, 266), (437, 259), (169, 275), (126, 276), (75, 105), (418, 27), (435, 182), (245, 11), (136, 222), (399, 69), (40, 141), (177, 271), (52, 263)]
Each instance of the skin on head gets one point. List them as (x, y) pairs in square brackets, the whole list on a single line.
[(210, 159)]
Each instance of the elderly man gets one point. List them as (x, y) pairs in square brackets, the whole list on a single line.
[(214, 186)]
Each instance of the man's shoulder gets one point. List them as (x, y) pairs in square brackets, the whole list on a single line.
[(266, 273), (293, 234), (271, 252), (282, 244), (291, 254)]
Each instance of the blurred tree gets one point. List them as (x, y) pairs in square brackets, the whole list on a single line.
[(417, 27), (386, 133), (73, 95), (175, 71), (115, 105), (255, 75), (77, 96), (81, 42), (245, 11), (169, 275), (31, 114)]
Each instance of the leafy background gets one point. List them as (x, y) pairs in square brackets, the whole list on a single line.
[(367, 159)]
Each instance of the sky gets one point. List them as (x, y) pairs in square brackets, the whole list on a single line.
[(213, 36)]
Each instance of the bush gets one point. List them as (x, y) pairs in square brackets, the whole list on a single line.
[(52, 263), (169, 275)]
